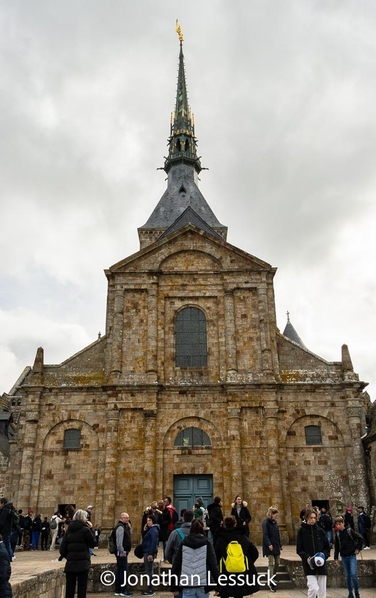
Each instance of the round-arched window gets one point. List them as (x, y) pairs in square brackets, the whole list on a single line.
[(191, 437)]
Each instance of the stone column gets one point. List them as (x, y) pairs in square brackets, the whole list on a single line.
[(275, 477), (117, 334), (230, 332), (150, 457), (110, 473), (151, 358), (266, 357), (25, 489), (356, 462), (235, 458)]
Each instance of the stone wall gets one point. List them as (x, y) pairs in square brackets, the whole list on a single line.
[(51, 584), (336, 577)]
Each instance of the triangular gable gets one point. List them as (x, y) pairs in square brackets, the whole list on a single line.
[(187, 238), (289, 345)]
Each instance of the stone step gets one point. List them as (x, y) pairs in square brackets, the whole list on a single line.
[(283, 579)]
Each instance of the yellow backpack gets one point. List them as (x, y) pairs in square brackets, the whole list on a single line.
[(235, 561)]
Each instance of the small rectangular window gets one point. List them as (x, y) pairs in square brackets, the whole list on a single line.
[(313, 435), (72, 439)]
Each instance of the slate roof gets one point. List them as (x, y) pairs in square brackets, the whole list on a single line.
[(291, 333), (182, 166)]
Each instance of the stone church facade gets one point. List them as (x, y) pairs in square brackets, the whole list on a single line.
[(193, 390)]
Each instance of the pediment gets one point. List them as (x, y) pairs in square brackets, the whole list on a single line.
[(199, 249)]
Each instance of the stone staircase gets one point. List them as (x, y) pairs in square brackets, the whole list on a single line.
[(283, 579)]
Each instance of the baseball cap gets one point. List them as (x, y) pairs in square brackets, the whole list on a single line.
[(90, 507)]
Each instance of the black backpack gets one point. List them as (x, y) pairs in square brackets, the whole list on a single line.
[(112, 541)]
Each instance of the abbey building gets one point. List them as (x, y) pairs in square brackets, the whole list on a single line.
[(192, 391)]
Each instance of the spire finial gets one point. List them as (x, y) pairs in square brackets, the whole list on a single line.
[(288, 316), (182, 142), (179, 31)]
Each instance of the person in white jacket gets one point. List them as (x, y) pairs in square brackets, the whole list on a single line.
[(54, 528)]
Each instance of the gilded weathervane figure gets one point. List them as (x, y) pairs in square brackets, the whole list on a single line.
[(179, 31)]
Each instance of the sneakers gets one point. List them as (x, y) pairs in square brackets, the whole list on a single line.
[(151, 593), (272, 587), (366, 548), (123, 594)]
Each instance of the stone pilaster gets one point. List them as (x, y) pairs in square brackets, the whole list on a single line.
[(28, 458), (233, 415), (231, 362), (152, 331), (275, 477), (356, 462), (150, 456), (265, 341), (117, 334), (108, 503)]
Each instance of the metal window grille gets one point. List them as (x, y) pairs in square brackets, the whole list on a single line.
[(72, 439), (313, 435), (191, 437), (191, 344)]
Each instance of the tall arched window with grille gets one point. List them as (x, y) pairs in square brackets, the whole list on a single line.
[(190, 336)]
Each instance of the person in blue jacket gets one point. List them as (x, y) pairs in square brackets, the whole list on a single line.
[(150, 541), (271, 545)]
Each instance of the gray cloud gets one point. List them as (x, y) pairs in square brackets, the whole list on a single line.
[(283, 95)]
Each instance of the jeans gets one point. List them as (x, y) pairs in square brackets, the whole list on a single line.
[(195, 593), (274, 560), (149, 567), (6, 540), (35, 540), (351, 572), (329, 536), (121, 568)]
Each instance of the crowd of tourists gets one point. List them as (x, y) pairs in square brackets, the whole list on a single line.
[(207, 550), (198, 545)]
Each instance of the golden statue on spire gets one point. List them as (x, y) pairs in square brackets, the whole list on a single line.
[(179, 31)]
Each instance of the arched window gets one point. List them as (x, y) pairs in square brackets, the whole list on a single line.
[(72, 439), (190, 330), (313, 435), (191, 437)]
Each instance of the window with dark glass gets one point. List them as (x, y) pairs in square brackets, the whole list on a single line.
[(190, 330), (72, 439), (313, 435), (191, 437)]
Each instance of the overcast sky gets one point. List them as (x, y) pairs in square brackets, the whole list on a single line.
[(284, 97)]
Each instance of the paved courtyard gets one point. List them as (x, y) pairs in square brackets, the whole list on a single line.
[(29, 564)]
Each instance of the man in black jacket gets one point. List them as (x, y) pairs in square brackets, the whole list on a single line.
[(215, 517), (5, 571), (348, 544), (311, 540), (6, 523), (123, 546)]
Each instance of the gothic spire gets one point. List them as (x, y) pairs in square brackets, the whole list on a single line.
[(182, 141), (182, 167)]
